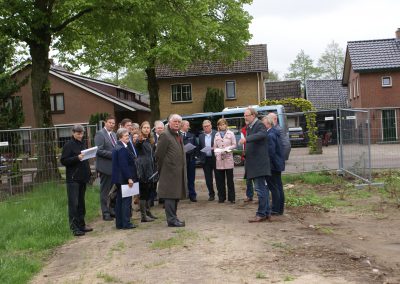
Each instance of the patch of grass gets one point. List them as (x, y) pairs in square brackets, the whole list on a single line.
[(118, 246), (108, 278), (288, 278), (280, 245), (260, 275), (308, 178), (309, 197), (323, 229), (180, 239), (155, 264), (32, 225)]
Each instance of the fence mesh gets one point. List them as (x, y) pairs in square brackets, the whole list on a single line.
[(31, 156)]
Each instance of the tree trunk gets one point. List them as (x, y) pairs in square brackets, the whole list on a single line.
[(47, 168), (153, 89)]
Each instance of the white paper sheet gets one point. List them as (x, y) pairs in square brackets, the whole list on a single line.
[(188, 147), (227, 150), (206, 149), (89, 153), (129, 191)]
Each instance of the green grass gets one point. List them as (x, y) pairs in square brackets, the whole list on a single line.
[(32, 225), (308, 178), (107, 278), (179, 240)]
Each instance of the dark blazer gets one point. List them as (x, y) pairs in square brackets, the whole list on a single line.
[(202, 144), (123, 164), (190, 138), (275, 151), (76, 170), (285, 142), (171, 162), (104, 152), (257, 158)]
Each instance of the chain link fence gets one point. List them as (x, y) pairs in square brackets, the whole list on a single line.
[(32, 156)]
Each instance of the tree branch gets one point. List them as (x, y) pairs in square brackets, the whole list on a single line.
[(70, 20)]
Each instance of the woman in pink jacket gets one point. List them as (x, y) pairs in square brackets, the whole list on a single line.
[(224, 143)]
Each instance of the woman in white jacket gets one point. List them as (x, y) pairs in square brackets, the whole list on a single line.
[(224, 143)]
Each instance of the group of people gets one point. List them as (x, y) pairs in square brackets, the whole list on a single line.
[(163, 163)]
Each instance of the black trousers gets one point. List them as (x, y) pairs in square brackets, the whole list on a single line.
[(171, 206), (122, 210), (221, 185), (146, 190), (209, 168), (76, 205)]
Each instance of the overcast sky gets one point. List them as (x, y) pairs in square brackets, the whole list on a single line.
[(287, 26)]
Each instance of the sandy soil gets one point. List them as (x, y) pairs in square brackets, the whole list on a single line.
[(220, 246)]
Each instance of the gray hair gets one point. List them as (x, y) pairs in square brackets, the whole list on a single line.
[(78, 128), (158, 122), (121, 132), (174, 116), (269, 119), (135, 125)]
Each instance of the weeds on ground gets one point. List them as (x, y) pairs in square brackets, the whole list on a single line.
[(308, 178), (392, 186), (108, 278), (182, 236), (32, 225), (260, 275)]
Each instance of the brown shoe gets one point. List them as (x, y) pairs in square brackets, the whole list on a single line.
[(248, 199), (257, 219)]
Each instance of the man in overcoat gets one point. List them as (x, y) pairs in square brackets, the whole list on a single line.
[(171, 160), (257, 166), (105, 140)]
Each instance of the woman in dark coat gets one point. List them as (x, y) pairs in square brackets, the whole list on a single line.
[(123, 172), (77, 175), (147, 170)]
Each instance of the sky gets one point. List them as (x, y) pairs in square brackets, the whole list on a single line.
[(288, 26)]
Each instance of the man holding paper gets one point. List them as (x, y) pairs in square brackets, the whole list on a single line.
[(77, 175), (190, 147), (123, 174)]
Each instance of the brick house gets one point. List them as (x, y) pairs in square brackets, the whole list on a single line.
[(74, 98), (372, 75), (242, 81)]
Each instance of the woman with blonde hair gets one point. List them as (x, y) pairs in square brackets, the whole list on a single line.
[(224, 143), (146, 169)]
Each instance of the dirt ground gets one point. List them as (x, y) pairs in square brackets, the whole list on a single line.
[(305, 245)]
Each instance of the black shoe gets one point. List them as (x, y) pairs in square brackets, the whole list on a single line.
[(221, 201), (107, 217), (211, 198), (86, 229), (130, 226), (176, 224), (78, 233), (232, 201), (193, 199)]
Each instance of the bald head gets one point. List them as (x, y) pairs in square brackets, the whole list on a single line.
[(274, 117)]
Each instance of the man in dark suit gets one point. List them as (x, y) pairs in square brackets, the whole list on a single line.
[(207, 159), (283, 136), (257, 166), (105, 140), (190, 158)]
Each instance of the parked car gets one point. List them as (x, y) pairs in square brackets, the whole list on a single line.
[(297, 137)]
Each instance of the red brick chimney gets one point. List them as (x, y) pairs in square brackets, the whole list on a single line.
[(398, 34)]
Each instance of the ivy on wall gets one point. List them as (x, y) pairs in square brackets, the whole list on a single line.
[(309, 113)]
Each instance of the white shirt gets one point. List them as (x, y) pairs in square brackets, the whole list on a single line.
[(207, 141)]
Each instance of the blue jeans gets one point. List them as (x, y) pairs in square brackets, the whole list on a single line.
[(249, 189), (263, 196), (275, 194), (191, 175)]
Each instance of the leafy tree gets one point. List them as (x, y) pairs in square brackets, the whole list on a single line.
[(133, 78), (302, 68), (331, 62), (11, 113), (214, 100), (273, 76)]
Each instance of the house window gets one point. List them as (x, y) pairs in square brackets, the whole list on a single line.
[(350, 90), (358, 86), (386, 81), (57, 103), (230, 89), (181, 92)]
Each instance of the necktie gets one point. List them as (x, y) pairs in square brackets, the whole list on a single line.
[(112, 140)]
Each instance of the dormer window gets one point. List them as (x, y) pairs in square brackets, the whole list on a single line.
[(386, 81)]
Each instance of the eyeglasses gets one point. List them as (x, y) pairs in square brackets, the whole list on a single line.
[(207, 125), (247, 115)]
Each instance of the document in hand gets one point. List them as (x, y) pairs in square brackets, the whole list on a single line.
[(129, 191), (188, 147), (206, 149), (227, 150), (89, 153)]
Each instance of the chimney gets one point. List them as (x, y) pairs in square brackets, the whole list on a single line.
[(398, 34)]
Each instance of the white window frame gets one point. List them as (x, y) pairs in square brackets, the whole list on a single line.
[(350, 90), (179, 96), (390, 81), (55, 107), (234, 89), (358, 86)]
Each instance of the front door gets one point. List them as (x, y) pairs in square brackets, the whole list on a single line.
[(389, 125)]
